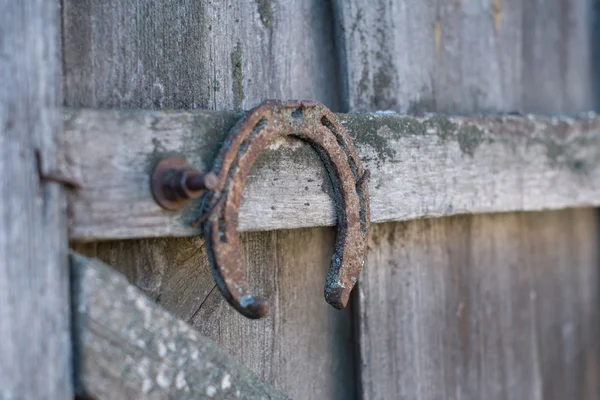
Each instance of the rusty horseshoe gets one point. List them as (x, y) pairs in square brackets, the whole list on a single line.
[(311, 122)]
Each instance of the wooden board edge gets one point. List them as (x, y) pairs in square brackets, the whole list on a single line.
[(126, 346)]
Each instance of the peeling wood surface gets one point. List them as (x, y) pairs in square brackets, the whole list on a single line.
[(425, 166), (222, 55), (127, 347), (35, 348), (488, 306)]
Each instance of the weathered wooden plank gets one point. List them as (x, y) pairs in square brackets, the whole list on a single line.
[(127, 347), (221, 55), (288, 268), (420, 167), (465, 56), (501, 306), (190, 54), (35, 349), (490, 306)]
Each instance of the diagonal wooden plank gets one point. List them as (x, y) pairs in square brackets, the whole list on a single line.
[(127, 347), (421, 166)]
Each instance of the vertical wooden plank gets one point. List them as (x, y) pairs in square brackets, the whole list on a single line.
[(291, 267), (186, 54), (501, 306), (557, 57), (35, 350), (223, 55), (490, 306), (381, 42), (466, 56)]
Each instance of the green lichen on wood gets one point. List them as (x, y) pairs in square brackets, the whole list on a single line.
[(265, 10), (237, 76), (579, 155), (469, 137), (209, 131), (379, 132), (444, 128), (376, 131)]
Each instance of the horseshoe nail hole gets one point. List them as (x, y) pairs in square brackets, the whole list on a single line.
[(222, 236), (255, 131), (327, 124), (260, 124), (297, 113)]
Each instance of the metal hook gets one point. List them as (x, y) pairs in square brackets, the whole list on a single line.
[(315, 124)]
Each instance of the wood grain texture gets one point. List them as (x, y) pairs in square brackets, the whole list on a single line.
[(490, 306), (420, 167), (196, 54), (127, 347), (462, 56), (286, 267), (221, 55), (35, 349)]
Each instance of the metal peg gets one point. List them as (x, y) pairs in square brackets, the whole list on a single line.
[(173, 182)]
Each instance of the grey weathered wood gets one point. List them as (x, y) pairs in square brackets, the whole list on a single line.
[(288, 268), (35, 349), (420, 167), (127, 347), (222, 55), (491, 306), (196, 54), (466, 56), (501, 306)]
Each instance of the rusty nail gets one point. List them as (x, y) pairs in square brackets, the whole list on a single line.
[(173, 182), (196, 181), (52, 176), (70, 183)]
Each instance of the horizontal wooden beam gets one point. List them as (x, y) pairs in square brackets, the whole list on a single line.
[(127, 347), (426, 166)]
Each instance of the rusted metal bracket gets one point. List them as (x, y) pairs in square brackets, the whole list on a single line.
[(173, 182)]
